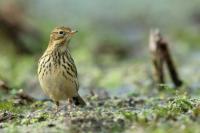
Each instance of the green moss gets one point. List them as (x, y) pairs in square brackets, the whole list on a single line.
[(109, 115), (9, 106), (180, 104)]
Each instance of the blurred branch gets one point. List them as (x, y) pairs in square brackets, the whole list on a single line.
[(4, 87), (22, 98), (160, 55)]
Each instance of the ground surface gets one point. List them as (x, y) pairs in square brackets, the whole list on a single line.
[(132, 114)]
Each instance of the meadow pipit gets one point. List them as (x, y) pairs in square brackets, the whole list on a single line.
[(56, 69)]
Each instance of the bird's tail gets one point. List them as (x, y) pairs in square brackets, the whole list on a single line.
[(78, 101)]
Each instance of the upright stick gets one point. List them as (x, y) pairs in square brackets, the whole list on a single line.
[(157, 56), (172, 69), (160, 55)]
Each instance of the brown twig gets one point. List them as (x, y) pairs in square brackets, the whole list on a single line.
[(157, 56), (172, 69), (160, 55)]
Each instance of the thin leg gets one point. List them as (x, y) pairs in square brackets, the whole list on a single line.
[(57, 105), (69, 100)]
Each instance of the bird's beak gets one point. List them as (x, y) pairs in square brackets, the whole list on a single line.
[(73, 32)]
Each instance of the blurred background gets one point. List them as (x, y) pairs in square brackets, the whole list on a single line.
[(111, 48)]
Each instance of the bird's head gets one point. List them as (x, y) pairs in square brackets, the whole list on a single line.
[(61, 36)]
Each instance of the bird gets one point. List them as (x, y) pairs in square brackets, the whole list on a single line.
[(57, 71)]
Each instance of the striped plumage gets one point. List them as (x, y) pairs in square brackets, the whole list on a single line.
[(56, 69)]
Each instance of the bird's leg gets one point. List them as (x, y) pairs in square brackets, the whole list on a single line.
[(57, 106), (70, 105)]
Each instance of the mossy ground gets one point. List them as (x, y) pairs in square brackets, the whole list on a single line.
[(159, 113)]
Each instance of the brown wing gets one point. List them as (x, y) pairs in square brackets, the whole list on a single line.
[(72, 71)]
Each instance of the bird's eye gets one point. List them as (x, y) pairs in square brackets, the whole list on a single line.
[(61, 32)]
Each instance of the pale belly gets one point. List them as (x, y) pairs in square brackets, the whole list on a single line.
[(57, 87)]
